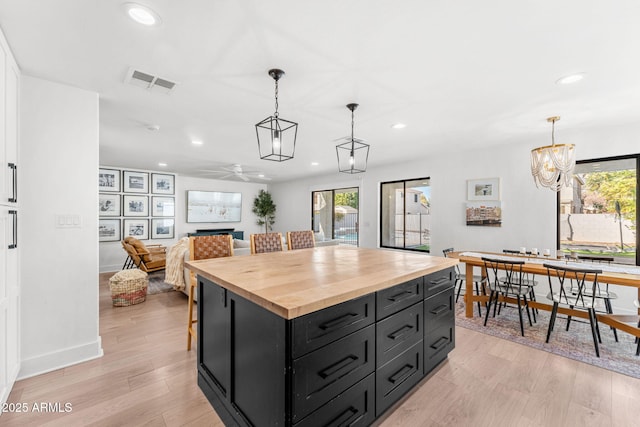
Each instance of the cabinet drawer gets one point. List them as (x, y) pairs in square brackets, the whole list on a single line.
[(397, 377), (392, 300), (439, 310), (438, 343), (321, 375), (354, 407), (318, 329), (435, 283), (397, 333)]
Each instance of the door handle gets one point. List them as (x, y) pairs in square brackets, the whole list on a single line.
[(14, 243), (14, 186)]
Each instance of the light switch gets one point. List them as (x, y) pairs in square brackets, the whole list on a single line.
[(68, 221)]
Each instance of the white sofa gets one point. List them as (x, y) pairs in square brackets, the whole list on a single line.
[(243, 247)]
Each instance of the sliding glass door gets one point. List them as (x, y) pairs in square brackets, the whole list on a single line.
[(336, 214), (405, 214)]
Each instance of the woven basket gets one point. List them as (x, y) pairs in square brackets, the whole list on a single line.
[(128, 287)]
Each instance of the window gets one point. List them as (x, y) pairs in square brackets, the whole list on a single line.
[(598, 215), (335, 214), (405, 222)]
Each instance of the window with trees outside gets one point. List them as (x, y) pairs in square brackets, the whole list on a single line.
[(597, 217), (405, 214), (336, 215)]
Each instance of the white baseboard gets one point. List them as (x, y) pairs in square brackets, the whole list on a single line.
[(60, 359), (110, 268)]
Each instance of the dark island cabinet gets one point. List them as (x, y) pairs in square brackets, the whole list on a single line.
[(341, 366)]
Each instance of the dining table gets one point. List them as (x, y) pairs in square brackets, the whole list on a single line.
[(613, 274)]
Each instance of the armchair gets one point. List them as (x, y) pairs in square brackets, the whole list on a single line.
[(147, 258)]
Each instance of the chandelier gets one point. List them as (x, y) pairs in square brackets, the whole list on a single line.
[(273, 143), (353, 154), (552, 165)]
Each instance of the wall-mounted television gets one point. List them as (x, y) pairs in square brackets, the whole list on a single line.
[(213, 206)]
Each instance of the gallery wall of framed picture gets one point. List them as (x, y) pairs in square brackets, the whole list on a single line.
[(135, 203)]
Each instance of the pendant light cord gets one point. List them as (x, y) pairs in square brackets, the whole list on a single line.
[(352, 126), (276, 113), (553, 131)]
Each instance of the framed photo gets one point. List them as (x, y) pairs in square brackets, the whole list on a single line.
[(136, 182), (483, 189), (109, 180), (162, 228), (162, 184), (163, 206), (109, 204), (136, 205), (138, 228), (109, 230), (484, 214)]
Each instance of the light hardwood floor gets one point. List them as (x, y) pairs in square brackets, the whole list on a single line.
[(146, 377)]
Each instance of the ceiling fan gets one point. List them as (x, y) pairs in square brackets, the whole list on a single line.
[(236, 171)]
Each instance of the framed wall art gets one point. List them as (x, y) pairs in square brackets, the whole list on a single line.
[(138, 228), (162, 228), (109, 230), (136, 205), (484, 214), (109, 204), (109, 180), (135, 182), (213, 206), (483, 189), (162, 184), (162, 206)]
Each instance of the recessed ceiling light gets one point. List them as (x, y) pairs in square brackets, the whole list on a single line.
[(142, 14), (162, 164), (571, 78), (196, 142), (314, 163), (261, 175), (398, 126)]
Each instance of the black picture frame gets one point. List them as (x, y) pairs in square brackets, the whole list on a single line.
[(109, 230), (135, 182), (163, 228), (109, 180), (138, 228), (163, 183), (135, 205)]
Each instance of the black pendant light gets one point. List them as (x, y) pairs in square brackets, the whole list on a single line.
[(353, 154), (276, 136)]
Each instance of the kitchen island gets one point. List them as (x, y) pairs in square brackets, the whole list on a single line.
[(323, 336)]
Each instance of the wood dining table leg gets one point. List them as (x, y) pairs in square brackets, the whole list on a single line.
[(468, 293)]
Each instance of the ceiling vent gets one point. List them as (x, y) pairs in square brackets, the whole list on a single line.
[(148, 81)]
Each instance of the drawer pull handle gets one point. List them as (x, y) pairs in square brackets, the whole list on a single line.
[(440, 343), (440, 281), (400, 332), (440, 309), (402, 374), (344, 419), (338, 366), (338, 321), (400, 296)]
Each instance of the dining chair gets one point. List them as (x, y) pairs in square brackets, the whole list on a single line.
[(601, 289), (300, 239), (511, 284), (204, 247), (581, 295), (529, 279), (266, 242), (460, 279)]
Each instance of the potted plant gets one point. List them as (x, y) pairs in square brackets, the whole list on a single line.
[(265, 209)]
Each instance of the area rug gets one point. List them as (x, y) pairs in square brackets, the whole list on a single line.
[(157, 285), (576, 344)]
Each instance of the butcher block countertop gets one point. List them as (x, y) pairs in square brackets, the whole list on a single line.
[(298, 282)]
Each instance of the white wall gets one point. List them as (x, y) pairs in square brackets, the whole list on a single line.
[(112, 256), (529, 214), (59, 266)]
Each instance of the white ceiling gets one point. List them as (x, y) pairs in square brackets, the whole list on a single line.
[(458, 73)]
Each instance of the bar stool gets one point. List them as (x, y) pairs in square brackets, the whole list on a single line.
[(204, 247)]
